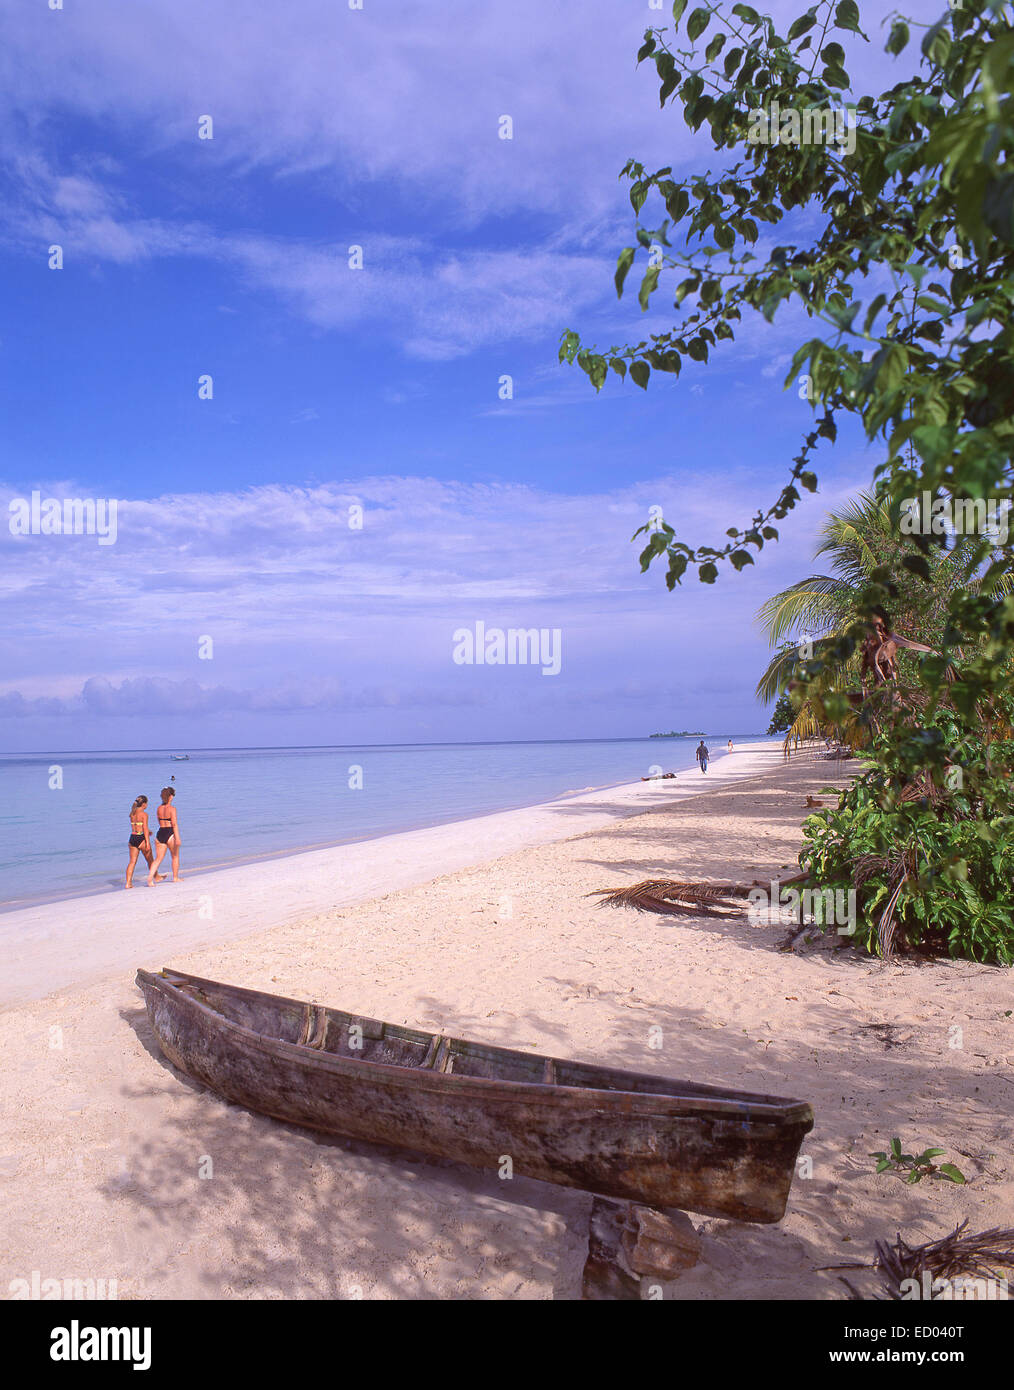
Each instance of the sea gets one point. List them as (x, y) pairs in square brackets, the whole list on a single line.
[(64, 816)]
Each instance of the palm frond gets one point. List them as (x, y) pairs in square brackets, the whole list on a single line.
[(816, 604), (806, 725), (782, 668), (955, 1256), (672, 896), (849, 537)]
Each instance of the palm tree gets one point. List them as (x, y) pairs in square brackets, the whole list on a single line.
[(820, 609)]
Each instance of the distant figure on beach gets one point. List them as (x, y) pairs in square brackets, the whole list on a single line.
[(702, 756), (730, 745), (140, 837), (168, 838)]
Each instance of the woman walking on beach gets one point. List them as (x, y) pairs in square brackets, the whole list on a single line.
[(168, 838), (140, 837)]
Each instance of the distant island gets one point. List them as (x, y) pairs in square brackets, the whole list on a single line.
[(680, 733)]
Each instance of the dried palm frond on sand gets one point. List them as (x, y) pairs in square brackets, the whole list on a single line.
[(670, 895), (955, 1256)]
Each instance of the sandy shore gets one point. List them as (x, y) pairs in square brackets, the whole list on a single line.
[(116, 1167), (55, 944)]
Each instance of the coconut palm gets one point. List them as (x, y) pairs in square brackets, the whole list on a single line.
[(820, 609)]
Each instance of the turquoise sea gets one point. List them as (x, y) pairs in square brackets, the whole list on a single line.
[(234, 804)]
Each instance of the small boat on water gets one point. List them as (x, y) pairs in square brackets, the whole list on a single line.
[(179, 757), (621, 1134)]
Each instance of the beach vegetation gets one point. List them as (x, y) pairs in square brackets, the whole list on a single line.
[(917, 1166), (924, 834), (783, 716), (894, 234)]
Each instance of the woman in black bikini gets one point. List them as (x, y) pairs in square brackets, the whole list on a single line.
[(168, 838), (140, 840)]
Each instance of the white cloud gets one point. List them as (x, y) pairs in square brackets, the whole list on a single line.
[(279, 581)]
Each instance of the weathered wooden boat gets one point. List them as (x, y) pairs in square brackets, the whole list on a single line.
[(621, 1134)]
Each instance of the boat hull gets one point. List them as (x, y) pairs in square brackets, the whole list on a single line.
[(725, 1157)]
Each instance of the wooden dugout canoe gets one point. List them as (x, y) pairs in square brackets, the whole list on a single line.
[(621, 1134)]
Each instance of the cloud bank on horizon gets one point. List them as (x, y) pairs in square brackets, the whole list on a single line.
[(381, 387)]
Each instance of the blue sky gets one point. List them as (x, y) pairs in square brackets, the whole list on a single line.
[(375, 388)]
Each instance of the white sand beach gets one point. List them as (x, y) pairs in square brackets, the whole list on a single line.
[(55, 944), (485, 929)]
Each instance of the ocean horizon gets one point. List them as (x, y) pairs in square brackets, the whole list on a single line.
[(64, 815)]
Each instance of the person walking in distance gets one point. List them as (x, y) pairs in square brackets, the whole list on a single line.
[(702, 756)]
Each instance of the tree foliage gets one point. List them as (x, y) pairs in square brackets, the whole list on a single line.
[(783, 716), (900, 251)]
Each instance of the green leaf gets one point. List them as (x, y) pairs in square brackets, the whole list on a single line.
[(707, 573), (802, 24), (898, 37), (836, 77), (954, 1174), (998, 207), (890, 363), (692, 88), (744, 12), (677, 204), (624, 263), (596, 369), (809, 481), (874, 310), (846, 16), (697, 23), (648, 286), (714, 47), (732, 60), (936, 45), (669, 83), (677, 568), (678, 6), (639, 373), (569, 345)]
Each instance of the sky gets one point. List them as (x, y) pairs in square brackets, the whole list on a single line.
[(296, 550)]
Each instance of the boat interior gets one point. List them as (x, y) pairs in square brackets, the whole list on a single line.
[(332, 1031)]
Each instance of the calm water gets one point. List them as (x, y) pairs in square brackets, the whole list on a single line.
[(235, 803)]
